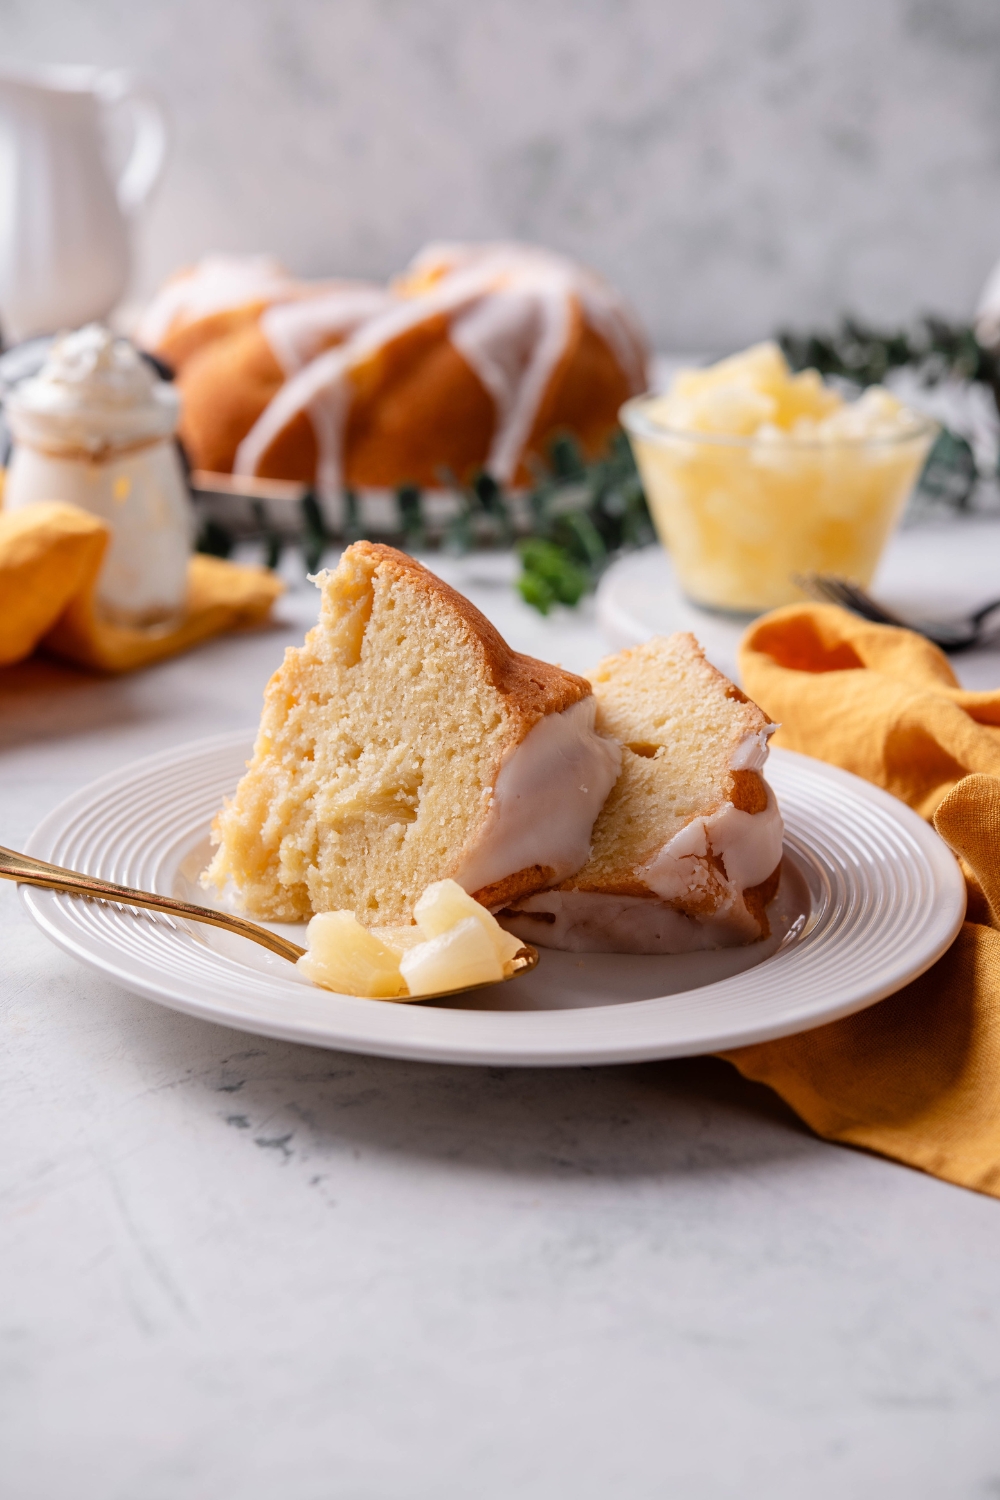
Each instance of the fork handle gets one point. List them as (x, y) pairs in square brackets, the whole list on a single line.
[(28, 871)]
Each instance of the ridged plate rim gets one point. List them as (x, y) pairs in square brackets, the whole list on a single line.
[(897, 901)]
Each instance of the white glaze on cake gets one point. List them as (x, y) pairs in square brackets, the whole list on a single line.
[(218, 283), (751, 752), (298, 331), (548, 793), (748, 844), (592, 922), (509, 311)]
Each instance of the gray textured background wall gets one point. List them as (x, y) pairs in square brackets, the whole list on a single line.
[(732, 164)]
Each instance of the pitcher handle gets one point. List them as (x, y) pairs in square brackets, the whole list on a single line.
[(151, 137)]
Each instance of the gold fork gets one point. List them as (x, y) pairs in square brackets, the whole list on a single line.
[(28, 871)]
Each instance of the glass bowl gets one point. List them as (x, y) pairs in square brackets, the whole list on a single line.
[(741, 516)]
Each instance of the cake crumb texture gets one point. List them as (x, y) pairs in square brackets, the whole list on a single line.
[(379, 744)]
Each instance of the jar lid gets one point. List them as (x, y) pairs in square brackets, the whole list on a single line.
[(95, 392)]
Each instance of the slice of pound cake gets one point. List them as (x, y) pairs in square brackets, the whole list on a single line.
[(405, 743), (687, 849)]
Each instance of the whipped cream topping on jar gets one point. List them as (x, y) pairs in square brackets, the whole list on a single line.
[(95, 428)]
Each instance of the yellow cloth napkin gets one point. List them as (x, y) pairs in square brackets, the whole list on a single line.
[(50, 555), (917, 1076)]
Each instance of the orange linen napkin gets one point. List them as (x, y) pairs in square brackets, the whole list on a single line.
[(917, 1076), (50, 555)]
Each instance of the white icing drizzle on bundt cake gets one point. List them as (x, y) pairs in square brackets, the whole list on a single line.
[(509, 310), (298, 331), (216, 284), (549, 790)]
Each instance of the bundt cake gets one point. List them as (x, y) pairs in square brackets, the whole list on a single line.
[(405, 743), (476, 357), (687, 849)]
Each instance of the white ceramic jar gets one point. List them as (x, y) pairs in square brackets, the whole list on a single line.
[(65, 217), (95, 427)]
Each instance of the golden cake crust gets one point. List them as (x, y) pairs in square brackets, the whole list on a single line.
[(420, 415), (224, 386), (186, 338), (533, 688), (585, 394)]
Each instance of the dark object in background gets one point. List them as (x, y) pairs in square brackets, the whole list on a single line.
[(975, 629)]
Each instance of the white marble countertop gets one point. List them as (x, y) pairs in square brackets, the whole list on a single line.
[(233, 1266)]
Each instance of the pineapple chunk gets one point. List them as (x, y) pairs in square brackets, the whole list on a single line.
[(455, 943), (737, 409), (463, 955), (741, 394), (400, 939), (804, 395), (344, 956), (444, 904), (762, 368)]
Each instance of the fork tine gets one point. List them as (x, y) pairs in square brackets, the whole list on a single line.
[(984, 611), (878, 612), (841, 592), (851, 596), (849, 599), (828, 588), (864, 604), (818, 586)]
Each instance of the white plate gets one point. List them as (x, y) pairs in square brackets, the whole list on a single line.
[(870, 897)]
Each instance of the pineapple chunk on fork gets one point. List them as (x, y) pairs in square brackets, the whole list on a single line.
[(456, 943)]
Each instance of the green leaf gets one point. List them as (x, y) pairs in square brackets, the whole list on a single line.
[(950, 473), (550, 575), (214, 540), (578, 535), (273, 542), (353, 529), (315, 537), (534, 590), (566, 458), (411, 516)]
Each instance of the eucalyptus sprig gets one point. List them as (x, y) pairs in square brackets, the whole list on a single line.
[(935, 350), (933, 347), (484, 514), (582, 514)]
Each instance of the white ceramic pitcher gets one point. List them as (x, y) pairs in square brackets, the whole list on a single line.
[(64, 230)]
